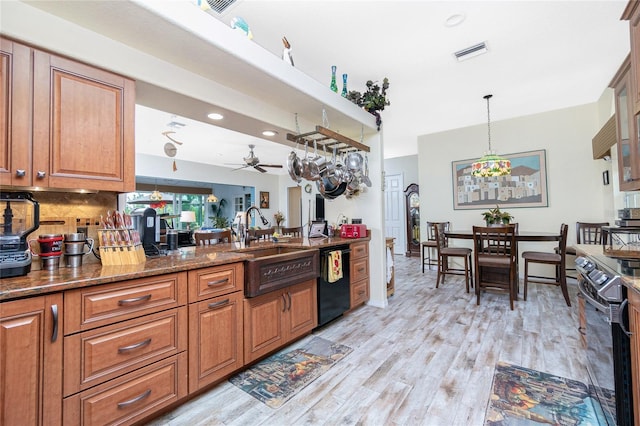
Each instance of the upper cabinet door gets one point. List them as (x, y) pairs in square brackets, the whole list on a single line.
[(15, 114), (83, 125), (632, 14)]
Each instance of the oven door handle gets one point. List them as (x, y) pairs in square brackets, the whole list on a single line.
[(623, 306), (593, 302)]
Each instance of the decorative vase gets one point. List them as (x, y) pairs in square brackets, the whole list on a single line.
[(344, 86), (334, 85)]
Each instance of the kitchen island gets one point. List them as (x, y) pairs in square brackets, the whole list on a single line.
[(122, 343)]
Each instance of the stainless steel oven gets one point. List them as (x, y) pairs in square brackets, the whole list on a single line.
[(604, 324)]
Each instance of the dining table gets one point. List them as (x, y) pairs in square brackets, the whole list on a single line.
[(521, 236), (529, 236)]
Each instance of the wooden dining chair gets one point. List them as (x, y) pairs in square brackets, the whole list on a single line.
[(209, 238), (431, 244), (495, 257), (557, 259), (587, 233), (261, 234), (444, 252), (295, 231)]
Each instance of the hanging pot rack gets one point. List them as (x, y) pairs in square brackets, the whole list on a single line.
[(327, 139)]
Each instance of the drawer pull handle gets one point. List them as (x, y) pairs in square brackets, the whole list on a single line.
[(361, 269), (219, 304), (284, 303), (216, 282), (134, 346), (289, 296), (360, 293), (21, 173), (140, 397), (41, 174), (134, 300), (54, 314)]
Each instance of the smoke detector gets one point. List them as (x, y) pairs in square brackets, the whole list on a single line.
[(471, 51)]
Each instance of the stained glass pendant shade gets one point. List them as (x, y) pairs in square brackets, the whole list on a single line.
[(491, 164)]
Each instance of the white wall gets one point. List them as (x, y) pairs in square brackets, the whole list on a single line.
[(407, 166), (574, 179)]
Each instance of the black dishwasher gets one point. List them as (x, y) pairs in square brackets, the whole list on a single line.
[(333, 297)]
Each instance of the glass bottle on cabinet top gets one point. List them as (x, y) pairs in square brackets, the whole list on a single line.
[(412, 195), (334, 84)]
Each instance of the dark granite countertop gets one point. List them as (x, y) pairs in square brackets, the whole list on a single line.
[(44, 281)]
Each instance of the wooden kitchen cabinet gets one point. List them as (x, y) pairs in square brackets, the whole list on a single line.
[(71, 125), (215, 323), (125, 349), (31, 351), (15, 113), (634, 328), (632, 14), (359, 273), (626, 129), (272, 320)]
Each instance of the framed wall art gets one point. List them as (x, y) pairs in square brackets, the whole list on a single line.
[(525, 187), (264, 200)]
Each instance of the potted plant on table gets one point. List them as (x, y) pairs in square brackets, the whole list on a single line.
[(497, 217), (279, 218)]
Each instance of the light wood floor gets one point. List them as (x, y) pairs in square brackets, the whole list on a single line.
[(428, 359)]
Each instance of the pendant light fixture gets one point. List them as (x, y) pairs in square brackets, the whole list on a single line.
[(155, 195), (490, 164)]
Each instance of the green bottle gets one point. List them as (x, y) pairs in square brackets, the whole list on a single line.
[(334, 85), (344, 86)]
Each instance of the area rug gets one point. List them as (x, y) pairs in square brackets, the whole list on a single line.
[(521, 396), (277, 378)]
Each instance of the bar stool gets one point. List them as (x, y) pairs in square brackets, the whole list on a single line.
[(445, 252), (431, 244)]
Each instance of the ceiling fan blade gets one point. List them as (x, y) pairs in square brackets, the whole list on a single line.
[(271, 165), (260, 169), (240, 168)]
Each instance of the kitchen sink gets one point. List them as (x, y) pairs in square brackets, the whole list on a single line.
[(272, 268)]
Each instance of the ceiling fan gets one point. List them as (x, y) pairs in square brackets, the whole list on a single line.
[(253, 161)]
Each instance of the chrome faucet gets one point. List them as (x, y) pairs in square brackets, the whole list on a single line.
[(247, 239)]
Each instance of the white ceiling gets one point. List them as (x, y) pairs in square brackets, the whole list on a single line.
[(543, 55)]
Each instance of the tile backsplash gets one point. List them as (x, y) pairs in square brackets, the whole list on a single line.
[(66, 212)]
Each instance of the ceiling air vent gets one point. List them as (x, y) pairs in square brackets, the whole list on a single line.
[(220, 6), (471, 52)]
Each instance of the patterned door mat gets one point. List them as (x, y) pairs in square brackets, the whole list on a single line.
[(276, 379), (521, 396)]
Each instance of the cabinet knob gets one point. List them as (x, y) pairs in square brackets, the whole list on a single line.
[(41, 174), (20, 173)]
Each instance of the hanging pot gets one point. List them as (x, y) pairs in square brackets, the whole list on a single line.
[(294, 165), (354, 161), (365, 177)]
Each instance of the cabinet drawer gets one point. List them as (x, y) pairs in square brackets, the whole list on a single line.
[(359, 269), (132, 397), (92, 307), (359, 292), (215, 281), (98, 355), (360, 250)]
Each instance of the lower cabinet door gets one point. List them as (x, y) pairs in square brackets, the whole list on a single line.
[(132, 397), (302, 309), (31, 361), (215, 343), (263, 324)]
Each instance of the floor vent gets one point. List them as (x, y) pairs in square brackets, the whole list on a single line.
[(220, 6), (471, 51)]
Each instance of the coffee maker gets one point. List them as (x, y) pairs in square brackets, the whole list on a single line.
[(20, 217), (147, 223)]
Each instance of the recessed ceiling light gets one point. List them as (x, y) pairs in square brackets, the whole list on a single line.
[(269, 133), (215, 116), (454, 20)]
